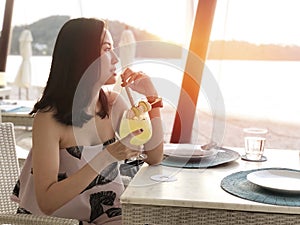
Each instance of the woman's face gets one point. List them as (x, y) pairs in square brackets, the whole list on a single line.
[(108, 59)]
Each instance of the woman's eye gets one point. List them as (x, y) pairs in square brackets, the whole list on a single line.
[(107, 48)]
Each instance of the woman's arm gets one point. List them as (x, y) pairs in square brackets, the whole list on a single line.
[(141, 83), (154, 147)]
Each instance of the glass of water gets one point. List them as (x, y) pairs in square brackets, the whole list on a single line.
[(255, 139)]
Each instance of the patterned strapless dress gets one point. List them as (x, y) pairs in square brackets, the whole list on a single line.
[(98, 203)]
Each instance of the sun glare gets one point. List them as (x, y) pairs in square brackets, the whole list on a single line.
[(167, 18), (256, 21)]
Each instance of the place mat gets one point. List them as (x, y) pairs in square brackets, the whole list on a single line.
[(238, 185), (223, 156)]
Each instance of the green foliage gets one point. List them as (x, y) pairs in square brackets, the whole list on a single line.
[(45, 31)]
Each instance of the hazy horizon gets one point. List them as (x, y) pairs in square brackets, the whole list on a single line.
[(255, 21)]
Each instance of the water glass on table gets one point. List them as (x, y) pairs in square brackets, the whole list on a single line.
[(255, 139)]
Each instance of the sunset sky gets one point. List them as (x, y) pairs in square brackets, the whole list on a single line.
[(256, 21)]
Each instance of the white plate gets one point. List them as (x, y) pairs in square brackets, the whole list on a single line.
[(277, 180), (187, 151)]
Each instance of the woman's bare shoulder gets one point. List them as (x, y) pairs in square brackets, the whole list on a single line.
[(43, 116), (45, 120)]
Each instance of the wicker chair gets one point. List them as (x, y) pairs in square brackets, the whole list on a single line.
[(9, 173)]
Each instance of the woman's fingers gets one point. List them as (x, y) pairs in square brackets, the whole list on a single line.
[(129, 76), (122, 149), (134, 77), (125, 75)]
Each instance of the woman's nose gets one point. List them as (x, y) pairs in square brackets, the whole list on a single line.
[(115, 58)]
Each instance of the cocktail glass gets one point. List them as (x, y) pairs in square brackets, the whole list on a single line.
[(130, 124)]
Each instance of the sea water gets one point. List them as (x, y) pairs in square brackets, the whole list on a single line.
[(262, 89)]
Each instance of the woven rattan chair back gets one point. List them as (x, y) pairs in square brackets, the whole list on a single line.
[(9, 174), (9, 167)]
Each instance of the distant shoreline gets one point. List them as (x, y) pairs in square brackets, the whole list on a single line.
[(44, 32)]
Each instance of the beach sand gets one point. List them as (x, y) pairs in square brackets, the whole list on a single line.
[(280, 135)]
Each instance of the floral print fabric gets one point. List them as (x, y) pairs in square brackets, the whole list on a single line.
[(98, 203)]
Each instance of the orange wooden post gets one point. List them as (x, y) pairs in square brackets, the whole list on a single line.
[(5, 34), (190, 88)]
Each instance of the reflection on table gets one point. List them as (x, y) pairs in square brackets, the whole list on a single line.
[(196, 197)]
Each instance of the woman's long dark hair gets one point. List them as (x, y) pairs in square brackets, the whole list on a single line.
[(77, 47)]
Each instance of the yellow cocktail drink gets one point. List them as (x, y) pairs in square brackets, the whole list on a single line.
[(138, 123)]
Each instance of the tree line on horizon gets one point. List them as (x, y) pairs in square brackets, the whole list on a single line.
[(45, 31)]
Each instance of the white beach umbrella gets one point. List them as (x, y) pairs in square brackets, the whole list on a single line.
[(127, 47), (23, 78)]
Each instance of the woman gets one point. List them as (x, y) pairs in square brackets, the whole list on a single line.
[(72, 170)]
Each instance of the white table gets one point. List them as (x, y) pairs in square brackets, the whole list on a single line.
[(19, 118), (5, 92), (197, 198)]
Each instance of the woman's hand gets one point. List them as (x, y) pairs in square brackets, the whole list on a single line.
[(122, 149), (139, 82)]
